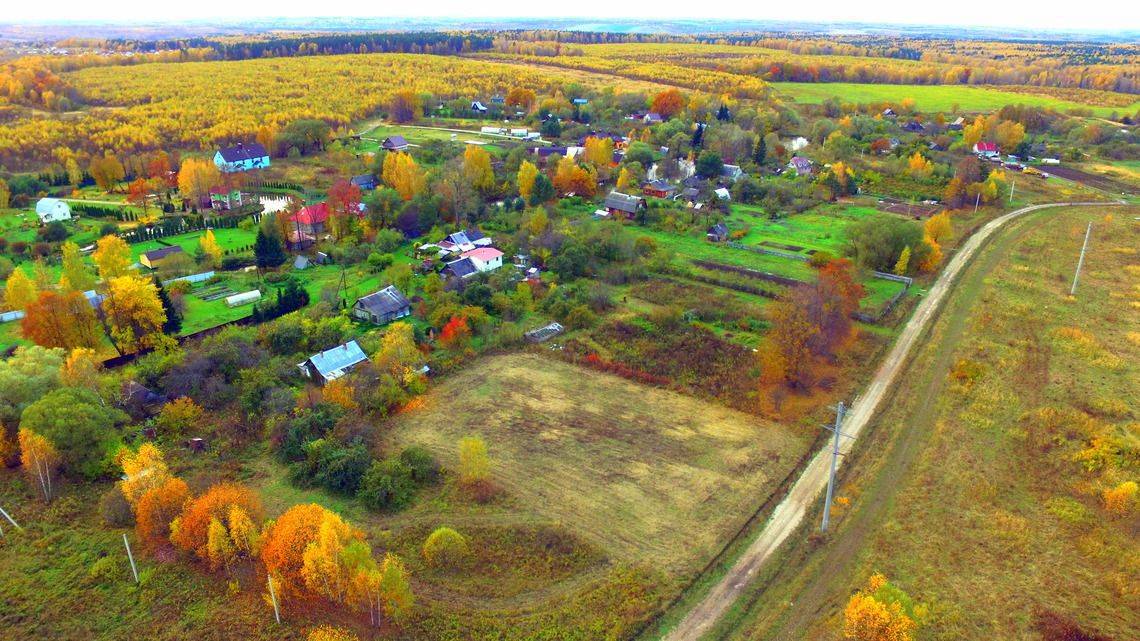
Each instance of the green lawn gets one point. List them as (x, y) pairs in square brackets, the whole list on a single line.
[(820, 229), (229, 239), (420, 136), (932, 97)]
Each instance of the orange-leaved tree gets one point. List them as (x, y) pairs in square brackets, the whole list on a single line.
[(191, 533), (40, 461), (157, 511)]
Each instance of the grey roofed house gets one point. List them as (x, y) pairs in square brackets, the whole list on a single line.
[(689, 193), (383, 306), (333, 363), (243, 152), (394, 143), (914, 126), (624, 203), (801, 165), (462, 268), (652, 118), (694, 181), (732, 172), (366, 182), (718, 233)]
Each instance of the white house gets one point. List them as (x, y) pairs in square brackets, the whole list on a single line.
[(485, 259), (52, 209)]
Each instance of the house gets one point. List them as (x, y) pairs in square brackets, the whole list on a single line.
[(688, 194), (658, 189), (139, 400), (580, 101), (241, 157), (366, 182), (722, 193), (485, 259), (732, 172), (222, 199), (461, 269), (889, 113), (311, 219), (301, 262), (394, 143), (693, 182), (382, 307), (914, 126), (497, 131), (801, 165), (652, 118), (957, 125), (718, 233), (498, 99), (153, 257), (986, 149), (331, 364), (52, 209), (478, 107), (620, 204)]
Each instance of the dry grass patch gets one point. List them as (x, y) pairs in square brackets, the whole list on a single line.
[(644, 474)]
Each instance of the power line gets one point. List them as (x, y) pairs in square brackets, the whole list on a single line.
[(835, 454)]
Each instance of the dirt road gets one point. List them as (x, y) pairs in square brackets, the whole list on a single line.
[(790, 512)]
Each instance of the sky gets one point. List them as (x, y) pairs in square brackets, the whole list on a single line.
[(1104, 15)]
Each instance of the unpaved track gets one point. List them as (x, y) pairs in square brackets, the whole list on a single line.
[(790, 512)]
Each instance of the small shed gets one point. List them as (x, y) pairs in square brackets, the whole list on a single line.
[(153, 257), (658, 189), (718, 233), (244, 298), (394, 143)]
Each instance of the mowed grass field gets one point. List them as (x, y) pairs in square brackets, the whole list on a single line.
[(933, 97), (371, 139), (1021, 412), (647, 476), (229, 239)]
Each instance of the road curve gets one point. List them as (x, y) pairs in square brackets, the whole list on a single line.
[(813, 480)]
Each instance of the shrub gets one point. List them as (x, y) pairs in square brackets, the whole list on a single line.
[(115, 509), (387, 485), (421, 464), (445, 548), (107, 570)]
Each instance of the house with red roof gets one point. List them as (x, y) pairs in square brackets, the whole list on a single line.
[(311, 219), (485, 259), (986, 149)]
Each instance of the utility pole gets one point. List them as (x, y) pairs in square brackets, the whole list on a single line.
[(10, 519), (1081, 261), (839, 410), (1012, 186), (273, 597), (131, 557), (977, 201)]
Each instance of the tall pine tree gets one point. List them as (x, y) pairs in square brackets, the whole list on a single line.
[(173, 323), (268, 250)]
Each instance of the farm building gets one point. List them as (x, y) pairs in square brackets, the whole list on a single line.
[(620, 204), (478, 107), (497, 131), (244, 298), (331, 364), (718, 233), (957, 125), (722, 193), (461, 269), (153, 257), (987, 149), (658, 189), (382, 307), (52, 209), (241, 157), (366, 182), (800, 165), (394, 143), (311, 219), (652, 118)]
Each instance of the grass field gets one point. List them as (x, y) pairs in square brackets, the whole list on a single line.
[(933, 97), (981, 492), (646, 475), (229, 239), (372, 138)]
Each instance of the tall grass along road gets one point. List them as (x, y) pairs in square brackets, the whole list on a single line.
[(790, 512)]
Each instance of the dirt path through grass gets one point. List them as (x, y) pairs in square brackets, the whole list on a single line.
[(788, 515)]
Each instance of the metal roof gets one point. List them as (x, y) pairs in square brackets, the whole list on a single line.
[(334, 363)]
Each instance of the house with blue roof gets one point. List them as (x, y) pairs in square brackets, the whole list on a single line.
[(331, 364)]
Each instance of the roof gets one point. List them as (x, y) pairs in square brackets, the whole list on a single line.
[(394, 141), (653, 116), (485, 254), (333, 363), (731, 171), (623, 202), (241, 152), (46, 205), (719, 229), (986, 146), (473, 234), (364, 180), (386, 301), (801, 163), (300, 262), (660, 185), (162, 252), (462, 268), (459, 238), (475, 104), (312, 214)]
